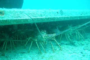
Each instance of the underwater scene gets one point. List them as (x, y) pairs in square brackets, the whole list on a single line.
[(36, 31)]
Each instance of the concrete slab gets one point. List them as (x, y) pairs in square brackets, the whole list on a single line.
[(20, 16)]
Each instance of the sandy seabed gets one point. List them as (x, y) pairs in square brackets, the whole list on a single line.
[(79, 51)]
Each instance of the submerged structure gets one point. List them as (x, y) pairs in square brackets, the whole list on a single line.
[(15, 16), (11, 4), (41, 27)]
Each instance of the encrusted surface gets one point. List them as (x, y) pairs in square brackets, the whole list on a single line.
[(19, 16)]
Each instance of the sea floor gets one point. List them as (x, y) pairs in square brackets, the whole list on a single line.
[(79, 51)]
